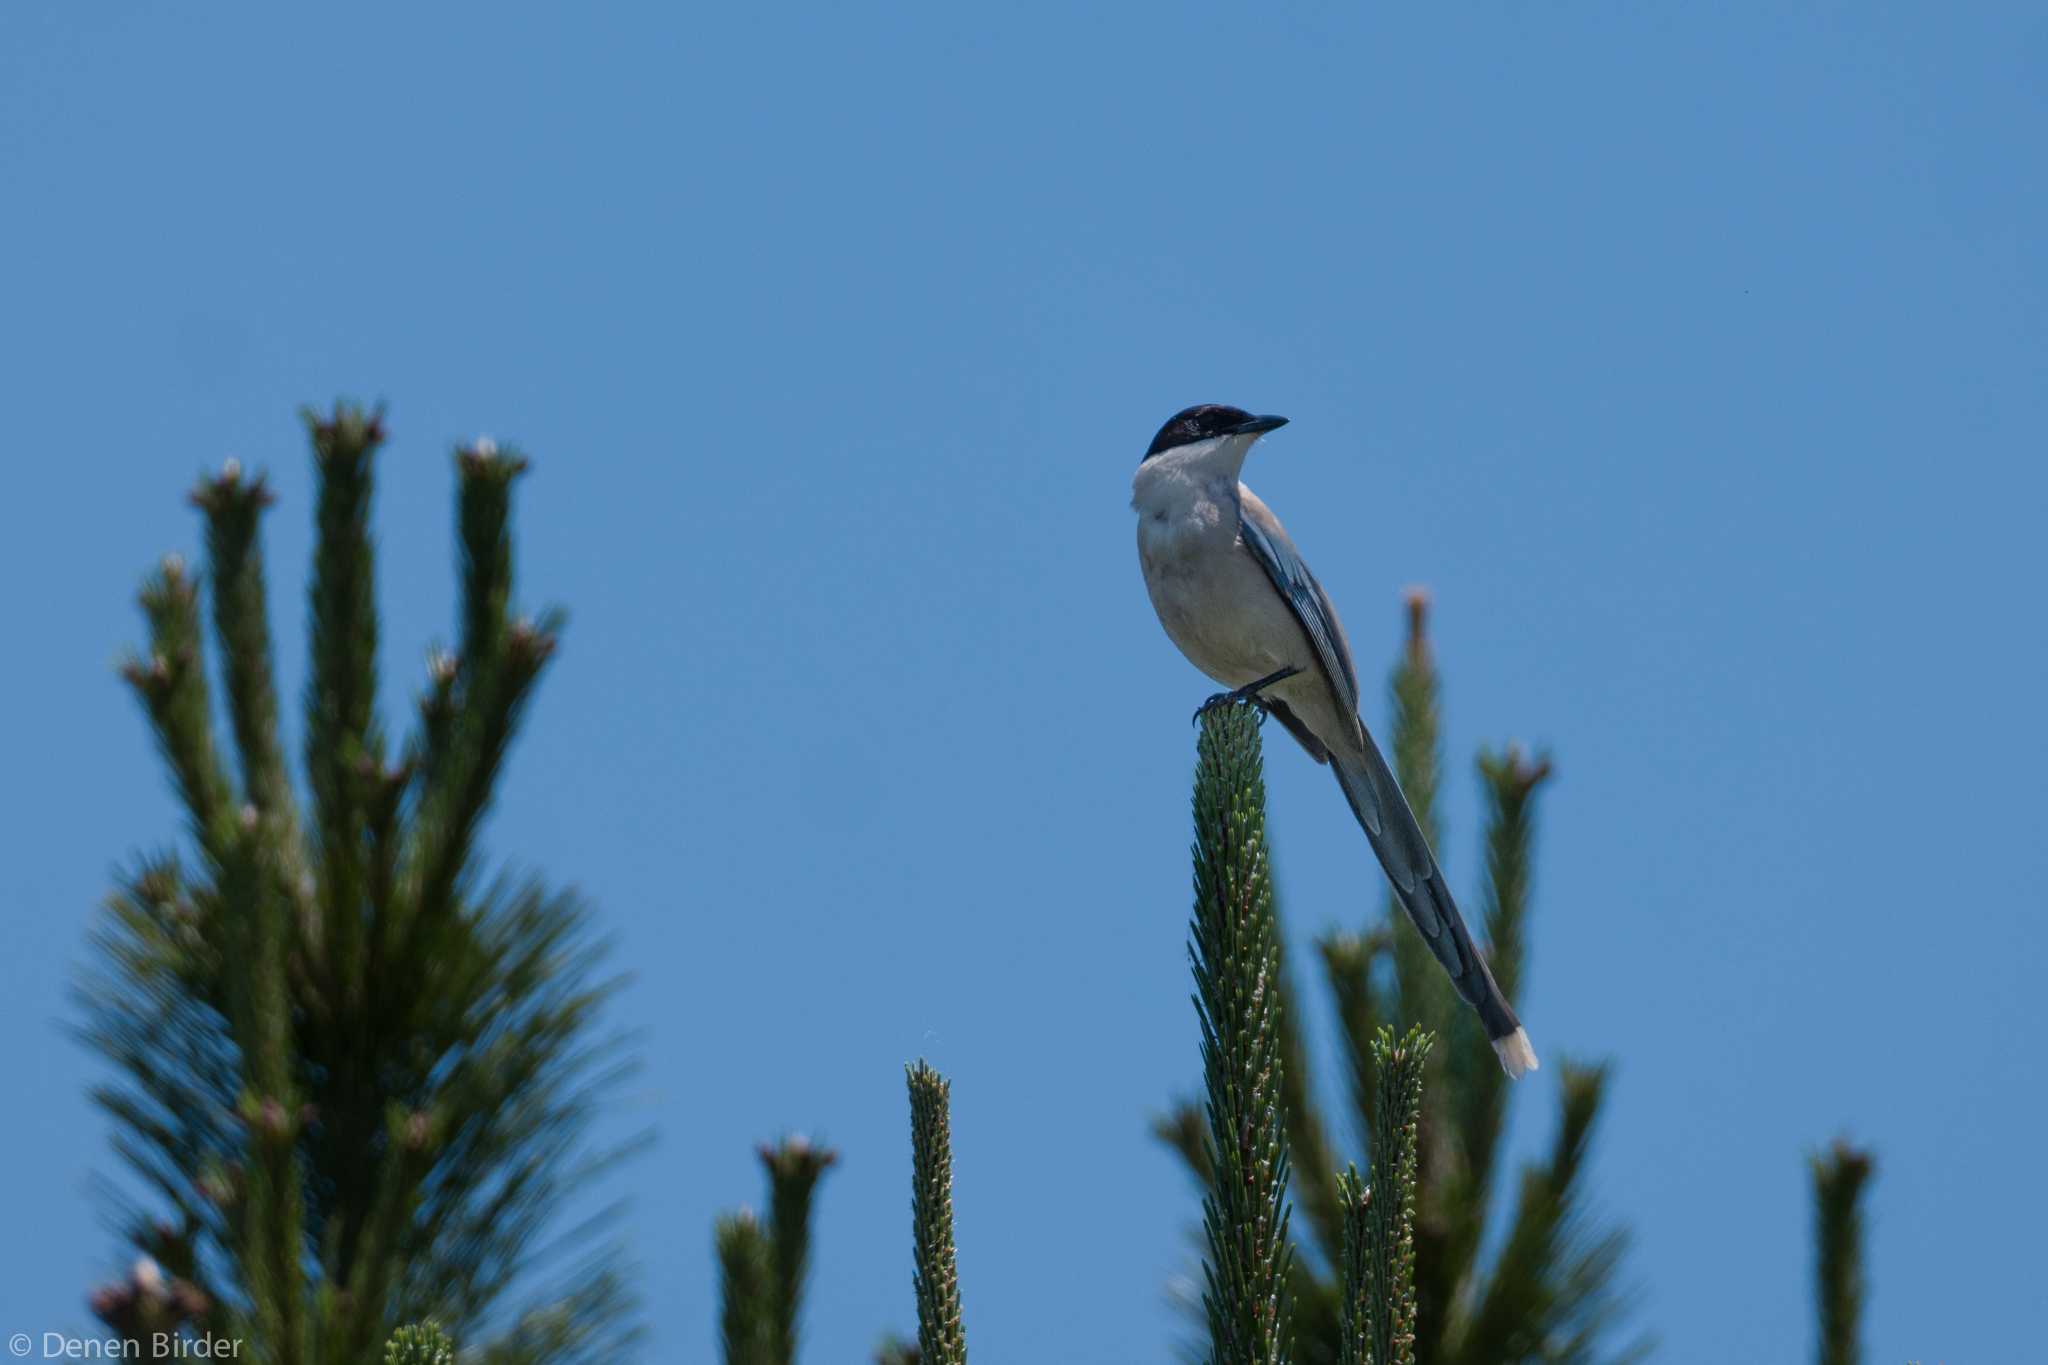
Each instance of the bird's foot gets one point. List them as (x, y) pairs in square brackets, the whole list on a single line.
[(1246, 695)]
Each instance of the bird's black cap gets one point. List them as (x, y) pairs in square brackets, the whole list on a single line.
[(1206, 420)]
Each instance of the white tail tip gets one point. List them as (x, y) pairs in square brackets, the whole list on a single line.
[(1516, 1056)]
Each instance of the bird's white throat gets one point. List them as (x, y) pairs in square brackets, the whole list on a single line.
[(1195, 483)]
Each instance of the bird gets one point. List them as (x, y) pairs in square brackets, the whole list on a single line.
[(1236, 597)]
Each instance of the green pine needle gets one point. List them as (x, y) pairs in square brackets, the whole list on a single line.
[(355, 1075), (794, 1168), (941, 1337), (422, 1344), (1236, 955), (1356, 1311), (1389, 1281), (746, 1289)]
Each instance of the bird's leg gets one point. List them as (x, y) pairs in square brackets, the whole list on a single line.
[(1248, 693), (1251, 690)]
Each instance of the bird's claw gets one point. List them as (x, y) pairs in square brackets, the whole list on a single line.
[(1222, 699), (1248, 695)]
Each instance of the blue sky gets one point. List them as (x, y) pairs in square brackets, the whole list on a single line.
[(1691, 355)]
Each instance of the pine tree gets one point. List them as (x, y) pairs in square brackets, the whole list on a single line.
[(354, 1072), (1549, 1292), (1240, 1139)]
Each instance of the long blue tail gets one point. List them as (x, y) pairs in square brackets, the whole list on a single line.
[(1383, 813)]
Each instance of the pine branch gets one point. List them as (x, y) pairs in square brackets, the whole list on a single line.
[(1235, 953), (524, 1092), (794, 1169), (354, 817), (473, 710), (1839, 1178), (274, 1249), (1389, 1264), (762, 1269), (344, 751), (1421, 993), (154, 1302), (484, 526), (233, 506), (1512, 779), (1553, 1272), (746, 1281), (1315, 1305), (1424, 994), (1186, 1129), (422, 1344), (1349, 962), (434, 740), (153, 1012), (1476, 1090), (374, 1261), (1357, 1311), (171, 684), (941, 1337), (1314, 1299), (1308, 1144), (586, 1323), (896, 1351)]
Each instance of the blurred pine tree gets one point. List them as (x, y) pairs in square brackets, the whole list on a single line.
[(355, 1076), (1839, 1178), (762, 1268), (421, 1344)]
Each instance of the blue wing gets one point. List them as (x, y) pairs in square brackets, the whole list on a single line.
[(1304, 597)]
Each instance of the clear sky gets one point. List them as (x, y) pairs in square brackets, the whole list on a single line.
[(1692, 355)]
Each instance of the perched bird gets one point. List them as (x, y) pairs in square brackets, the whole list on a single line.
[(1234, 594)]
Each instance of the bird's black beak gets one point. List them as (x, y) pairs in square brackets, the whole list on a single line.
[(1258, 426)]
